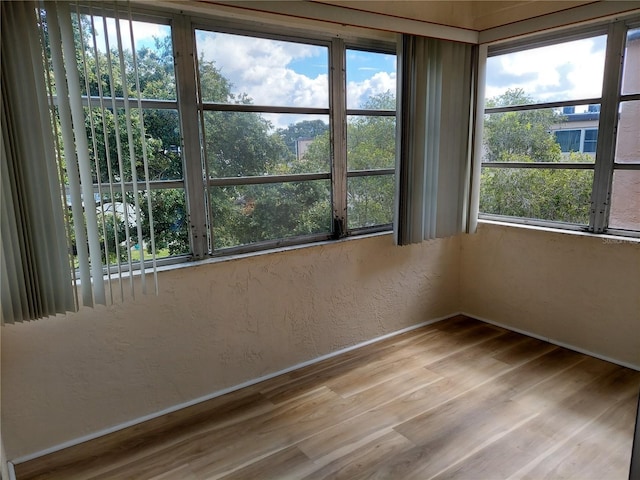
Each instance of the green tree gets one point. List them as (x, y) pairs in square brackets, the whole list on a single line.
[(245, 144), (306, 129), (525, 136), (520, 136), (371, 142), (236, 144)]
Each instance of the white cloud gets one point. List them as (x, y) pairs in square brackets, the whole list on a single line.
[(260, 68), (359, 92), (143, 33), (283, 73), (565, 71)]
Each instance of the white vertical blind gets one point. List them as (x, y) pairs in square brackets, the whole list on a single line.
[(89, 152), (434, 130), (36, 274), (87, 37)]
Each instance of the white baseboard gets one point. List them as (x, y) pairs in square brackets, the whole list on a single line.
[(248, 383), (12, 471), (555, 342), (218, 393)]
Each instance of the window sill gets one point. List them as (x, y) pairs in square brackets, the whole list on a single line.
[(606, 238), (257, 253)]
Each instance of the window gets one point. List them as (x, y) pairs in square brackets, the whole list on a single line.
[(590, 140), (371, 139), (625, 191), (582, 140), (264, 134), (129, 174), (244, 147), (569, 140), (548, 104)]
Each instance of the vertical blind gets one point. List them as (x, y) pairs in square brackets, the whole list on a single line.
[(82, 87), (36, 273), (434, 168)]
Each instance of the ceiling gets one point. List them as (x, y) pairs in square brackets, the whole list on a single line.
[(491, 18), (470, 14)]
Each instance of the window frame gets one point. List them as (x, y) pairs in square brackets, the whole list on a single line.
[(363, 112), (604, 163), (195, 181), (191, 108), (159, 17)]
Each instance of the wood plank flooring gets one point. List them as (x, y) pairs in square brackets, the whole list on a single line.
[(459, 399)]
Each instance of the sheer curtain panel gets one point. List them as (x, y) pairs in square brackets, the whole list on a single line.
[(435, 111), (36, 274)]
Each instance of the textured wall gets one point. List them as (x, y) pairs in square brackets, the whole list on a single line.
[(579, 290), (213, 326), (224, 323)]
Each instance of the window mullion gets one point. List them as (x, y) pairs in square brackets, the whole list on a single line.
[(605, 150), (339, 137), (194, 183)]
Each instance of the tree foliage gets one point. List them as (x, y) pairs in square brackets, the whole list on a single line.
[(521, 136), (526, 136), (304, 130), (371, 144), (235, 144)]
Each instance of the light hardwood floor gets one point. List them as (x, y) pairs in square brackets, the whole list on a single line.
[(457, 399)]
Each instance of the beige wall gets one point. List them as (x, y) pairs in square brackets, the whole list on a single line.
[(218, 325), (212, 327), (582, 291)]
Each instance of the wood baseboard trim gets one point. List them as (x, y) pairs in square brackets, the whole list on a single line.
[(553, 341), (218, 393)]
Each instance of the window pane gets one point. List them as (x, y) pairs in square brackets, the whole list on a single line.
[(628, 139), (246, 144), (564, 71), (116, 215), (543, 135), (170, 222), (543, 194), (307, 140), (163, 144), (111, 154), (631, 72), (625, 200), (253, 213), (154, 52), (370, 200), (590, 140), (371, 80), (371, 142), (259, 71), (162, 130), (569, 140)]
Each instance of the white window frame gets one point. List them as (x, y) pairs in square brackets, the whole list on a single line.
[(609, 102), (369, 171), (197, 185), (194, 181)]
